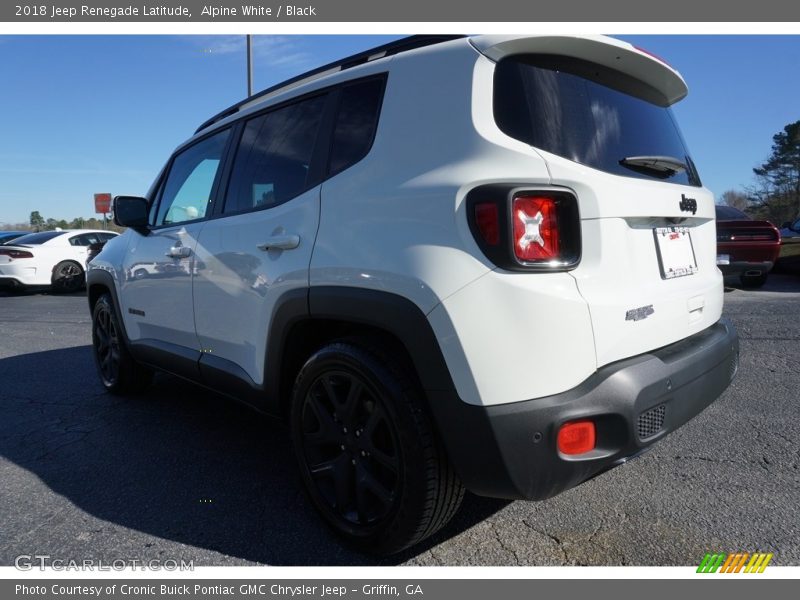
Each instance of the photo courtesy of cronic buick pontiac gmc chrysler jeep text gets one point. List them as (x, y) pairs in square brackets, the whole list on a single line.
[(481, 263)]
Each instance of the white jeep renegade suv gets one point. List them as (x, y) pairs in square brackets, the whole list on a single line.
[(482, 263)]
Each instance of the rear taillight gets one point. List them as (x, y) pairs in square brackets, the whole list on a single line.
[(487, 220), (651, 55), (536, 237), (13, 254), (525, 230)]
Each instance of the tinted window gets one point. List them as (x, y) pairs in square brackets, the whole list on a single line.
[(7, 237), (104, 237), (356, 122), (728, 213), (84, 239), (38, 238), (272, 164), (190, 182), (588, 114)]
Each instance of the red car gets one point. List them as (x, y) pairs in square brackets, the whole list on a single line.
[(745, 247)]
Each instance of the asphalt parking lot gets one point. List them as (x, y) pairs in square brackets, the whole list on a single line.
[(184, 474)]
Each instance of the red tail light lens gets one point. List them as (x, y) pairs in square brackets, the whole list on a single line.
[(488, 221), (577, 437), (651, 55), (15, 253), (536, 235), (525, 230)]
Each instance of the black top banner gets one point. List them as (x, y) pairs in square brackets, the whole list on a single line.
[(406, 11)]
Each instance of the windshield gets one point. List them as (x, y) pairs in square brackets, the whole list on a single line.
[(589, 114)]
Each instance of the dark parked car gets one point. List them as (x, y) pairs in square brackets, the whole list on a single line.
[(789, 259), (7, 236), (745, 247)]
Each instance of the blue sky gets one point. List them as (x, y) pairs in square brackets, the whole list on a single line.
[(85, 114)]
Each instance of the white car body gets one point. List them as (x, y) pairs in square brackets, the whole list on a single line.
[(621, 323), (37, 270)]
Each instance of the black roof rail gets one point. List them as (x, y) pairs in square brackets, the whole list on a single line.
[(395, 47)]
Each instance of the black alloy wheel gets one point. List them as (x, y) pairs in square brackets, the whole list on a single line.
[(67, 277), (351, 448), (369, 456), (106, 344), (119, 372)]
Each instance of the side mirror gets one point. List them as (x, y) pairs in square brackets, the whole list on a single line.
[(130, 211)]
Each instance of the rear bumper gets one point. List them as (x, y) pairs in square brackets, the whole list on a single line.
[(741, 267), (18, 275), (509, 451)]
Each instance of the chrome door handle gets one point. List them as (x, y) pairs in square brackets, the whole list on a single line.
[(281, 242), (179, 252)]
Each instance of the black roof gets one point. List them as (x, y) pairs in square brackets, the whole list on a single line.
[(402, 45)]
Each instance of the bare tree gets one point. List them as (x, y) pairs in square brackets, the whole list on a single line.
[(736, 199)]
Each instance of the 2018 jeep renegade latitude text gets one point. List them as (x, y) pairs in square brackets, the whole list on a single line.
[(449, 263)]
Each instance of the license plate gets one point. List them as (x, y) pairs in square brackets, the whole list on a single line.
[(723, 259), (675, 252)]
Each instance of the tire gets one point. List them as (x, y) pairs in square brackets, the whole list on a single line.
[(369, 458), (139, 274), (67, 277), (753, 281), (119, 372)]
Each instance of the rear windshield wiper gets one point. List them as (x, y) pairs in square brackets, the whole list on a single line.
[(663, 167)]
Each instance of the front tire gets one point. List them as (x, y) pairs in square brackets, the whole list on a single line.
[(119, 372), (368, 454), (67, 277)]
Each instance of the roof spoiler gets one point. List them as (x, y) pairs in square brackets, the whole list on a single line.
[(608, 52)]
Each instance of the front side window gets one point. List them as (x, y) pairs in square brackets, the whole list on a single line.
[(273, 162), (592, 115), (187, 190)]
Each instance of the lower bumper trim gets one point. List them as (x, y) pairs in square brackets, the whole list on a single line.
[(509, 451)]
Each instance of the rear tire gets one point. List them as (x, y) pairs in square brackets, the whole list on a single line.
[(753, 281), (67, 277), (370, 460), (119, 372)]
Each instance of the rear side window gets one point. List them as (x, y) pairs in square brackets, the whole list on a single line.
[(589, 114), (85, 239), (356, 122), (273, 162)]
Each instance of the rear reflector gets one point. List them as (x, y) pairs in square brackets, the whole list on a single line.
[(536, 236), (15, 253), (577, 437), (487, 220)]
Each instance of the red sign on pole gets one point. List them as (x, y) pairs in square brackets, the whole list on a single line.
[(102, 203)]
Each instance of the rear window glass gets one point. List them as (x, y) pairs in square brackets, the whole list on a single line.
[(589, 114), (728, 213), (38, 238)]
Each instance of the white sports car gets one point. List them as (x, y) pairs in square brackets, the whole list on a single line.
[(49, 258)]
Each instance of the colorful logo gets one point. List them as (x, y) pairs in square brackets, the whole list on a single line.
[(735, 563)]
